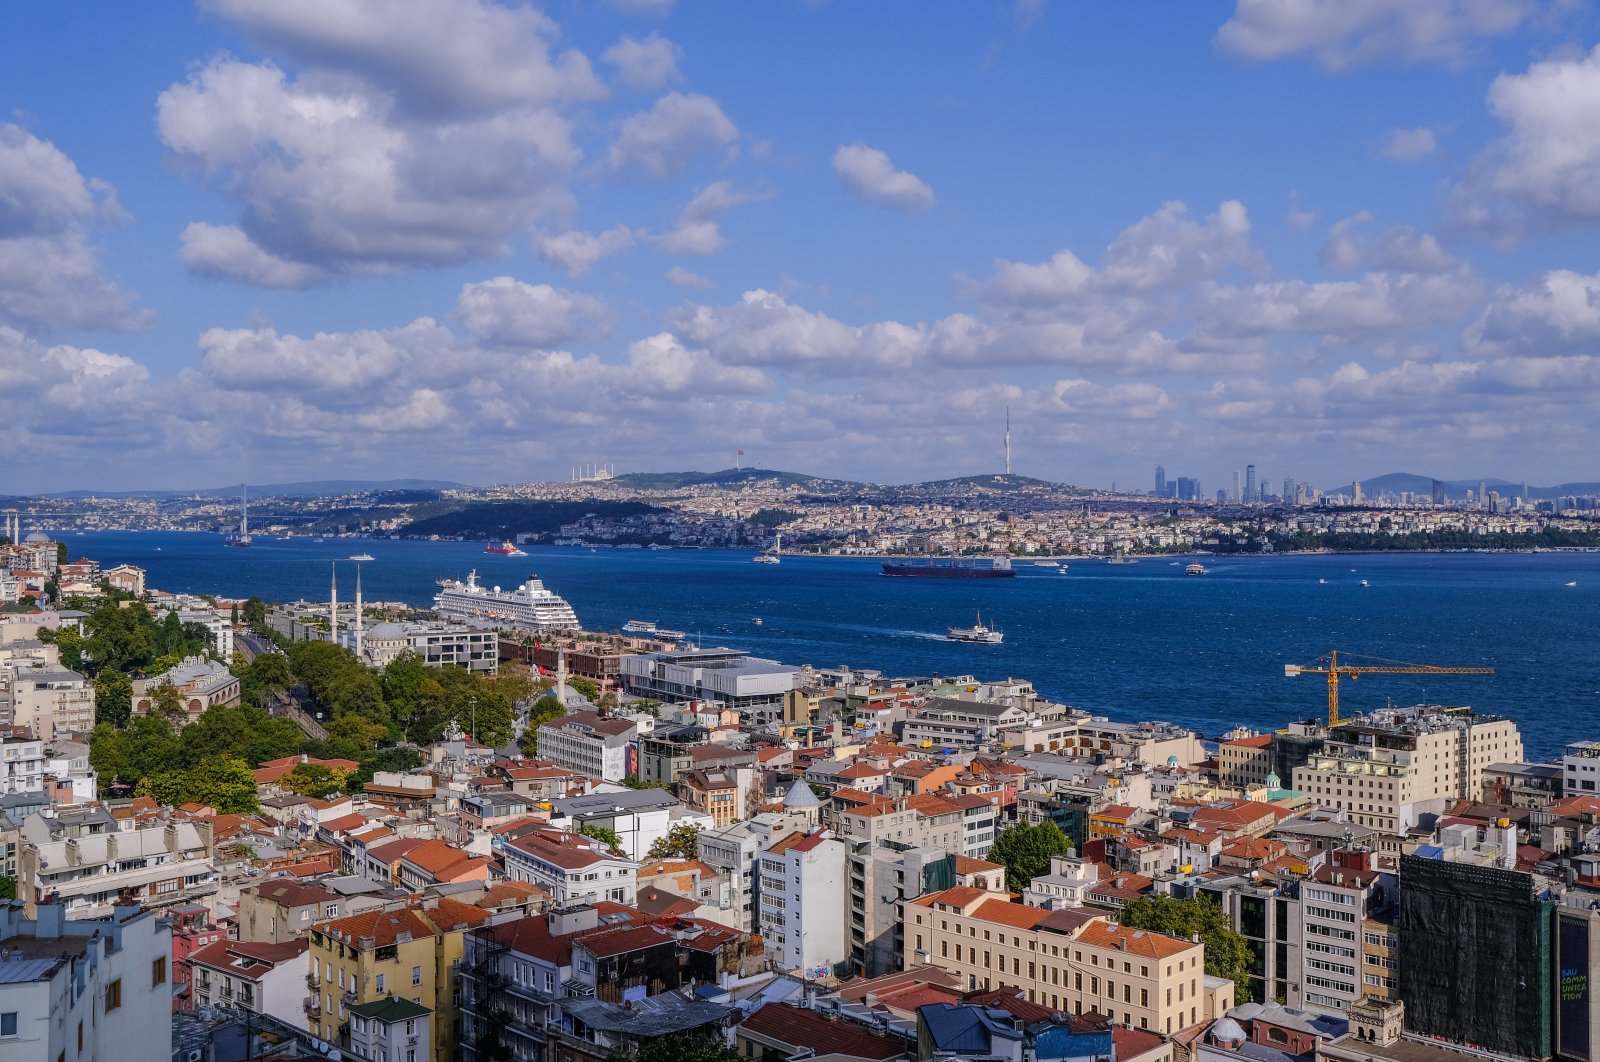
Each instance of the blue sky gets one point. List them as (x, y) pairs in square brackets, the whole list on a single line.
[(484, 242)]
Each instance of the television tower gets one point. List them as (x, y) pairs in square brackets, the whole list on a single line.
[(333, 602), (1008, 440)]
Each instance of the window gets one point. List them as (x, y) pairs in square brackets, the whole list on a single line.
[(8, 1023), (411, 1027), (416, 975), (158, 972), (114, 995), (380, 984)]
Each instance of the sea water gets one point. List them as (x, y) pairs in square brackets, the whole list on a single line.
[(1134, 642)]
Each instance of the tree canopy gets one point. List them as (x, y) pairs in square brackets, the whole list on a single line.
[(221, 782), (1026, 850), (693, 1046), (1227, 952), (680, 842)]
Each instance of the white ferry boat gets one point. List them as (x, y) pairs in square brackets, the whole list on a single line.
[(529, 607), (1195, 569), (648, 629), (977, 633)]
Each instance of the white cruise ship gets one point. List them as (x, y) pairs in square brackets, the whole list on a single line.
[(530, 607)]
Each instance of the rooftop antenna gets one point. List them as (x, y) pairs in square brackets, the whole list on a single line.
[(1008, 440)]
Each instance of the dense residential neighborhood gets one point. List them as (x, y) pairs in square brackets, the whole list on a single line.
[(606, 842)]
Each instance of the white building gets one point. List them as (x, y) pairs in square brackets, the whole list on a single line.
[(639, 817), (86, 863), (1067, 884), (802, 902), (220, 629), (52, 700), (751, 686), (22, 762), (253, 975), (572, 868), (437, 644), (92, 991), (591, 744), (391, 1030)]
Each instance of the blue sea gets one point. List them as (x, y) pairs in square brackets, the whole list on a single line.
[(1138, 641)]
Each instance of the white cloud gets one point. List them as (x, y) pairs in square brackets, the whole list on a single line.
[(680, 277), (416, 134), (698, 230), (225, 252), (577, 251), (1545, 170), (869, 173), (655, 8), (504, 311), (679, 127), (1559, 313), (764, 329), (435, 57), (51, 275), (1343, 34), (662, 364), (644, 64), (1410, 145), (1373, 306)]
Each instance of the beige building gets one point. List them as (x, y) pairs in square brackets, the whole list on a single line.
[(1387, 768), (1244, 763), (1070, 960)]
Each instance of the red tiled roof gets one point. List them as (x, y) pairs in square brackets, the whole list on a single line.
[(287, 892), (249, 959), (799, 1027)]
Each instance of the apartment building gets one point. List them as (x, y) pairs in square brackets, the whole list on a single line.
[(722, 793), (264, 978), (801, 900), (591, 744), (882, 879), (1069, 961), (283, 910), (92, 991), (1244, 763), (753, 687), (412, 953), (22, 761), (50, 701), (639, 817), (572, 868), (1388, 768), (733, 850), (1336, 901), (391, 1030), (89, 861)]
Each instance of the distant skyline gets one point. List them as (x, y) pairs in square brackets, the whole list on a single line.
[(456, 239)]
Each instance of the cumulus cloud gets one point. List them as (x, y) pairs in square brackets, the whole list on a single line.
[(678, 128), (1558, 313), (504, 311), (680, 277), (1410, 145), (1343, 34), (412, 135), (645, 64), (698, 230), (577, 251), (869, 173), (1544, 171), (51, 275), (225, 252), (764, 329)]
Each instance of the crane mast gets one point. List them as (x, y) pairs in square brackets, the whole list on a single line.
[(1331, 667)]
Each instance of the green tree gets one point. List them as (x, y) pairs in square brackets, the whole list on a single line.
[(68, 642), (263, 678), (357, 693), (8, 887), (680, 842), (169, 636), (255, 613), (220, 782), (121, 638), (403, 681), (167, 701), (147, 745), (391, 759), (586, 688), (113, 697), (1026, 850), (61, 553), (1227, 952), (694, 1046), (355, 733), (635, 782), (604, 834), (314, 780)]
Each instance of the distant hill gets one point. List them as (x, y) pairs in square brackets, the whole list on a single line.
[(1456, 489), (310, 489), (728, 477), (998, 482), (511, 518)]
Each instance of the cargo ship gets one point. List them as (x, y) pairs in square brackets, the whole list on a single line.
[(994, 566), (505, 549)]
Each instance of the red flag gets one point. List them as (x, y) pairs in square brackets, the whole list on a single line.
[(739, 453)]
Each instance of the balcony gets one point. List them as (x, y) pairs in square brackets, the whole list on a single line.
[(350, 998), (313, 1005), (313, 981)]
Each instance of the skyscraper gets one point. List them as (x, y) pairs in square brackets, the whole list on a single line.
[(1288, 490), (1236, 495), (1161, 481), (1250, 494)]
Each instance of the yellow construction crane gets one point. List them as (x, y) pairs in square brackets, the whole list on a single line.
[(1330, 666)]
